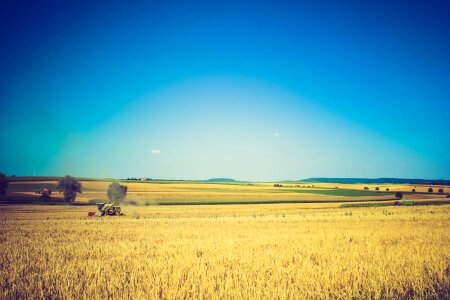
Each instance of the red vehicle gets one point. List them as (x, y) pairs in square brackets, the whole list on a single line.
[(45, 194)]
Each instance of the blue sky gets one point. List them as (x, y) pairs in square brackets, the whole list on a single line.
[(253, 90)]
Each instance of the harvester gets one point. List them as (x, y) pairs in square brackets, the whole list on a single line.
[(45, 193), (107, 209)]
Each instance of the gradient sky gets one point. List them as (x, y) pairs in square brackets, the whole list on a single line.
[(252, 90)]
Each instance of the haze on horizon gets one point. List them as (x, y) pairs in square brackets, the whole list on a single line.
[(251, 90)]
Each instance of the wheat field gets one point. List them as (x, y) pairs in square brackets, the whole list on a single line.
[(284, 251)]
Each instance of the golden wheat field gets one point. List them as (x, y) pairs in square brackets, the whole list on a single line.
[(282, 251)]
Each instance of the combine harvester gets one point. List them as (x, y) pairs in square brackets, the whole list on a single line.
[(106, 209)]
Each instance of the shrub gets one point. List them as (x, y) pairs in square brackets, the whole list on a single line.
[(4, 181), (387, 189), (366, 188), (70, 187), (430, 190), (399, 195), (117, 192), (441, 191), (377, 189)]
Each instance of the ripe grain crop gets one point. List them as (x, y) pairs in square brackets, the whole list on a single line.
[(233, 251)]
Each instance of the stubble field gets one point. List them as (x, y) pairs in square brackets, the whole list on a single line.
[(168, 193)]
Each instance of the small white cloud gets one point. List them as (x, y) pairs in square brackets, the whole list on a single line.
[(276, 134), (156, 151)]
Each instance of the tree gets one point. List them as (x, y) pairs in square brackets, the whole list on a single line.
[(377, 189), (366, 188), (70, 187), (413, 190), (441, 191), (117, 192), (387, 189), (399, 195), (430, 190), (4, 181)]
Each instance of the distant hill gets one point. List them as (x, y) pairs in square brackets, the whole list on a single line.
[(221, 180), (379, 180)]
